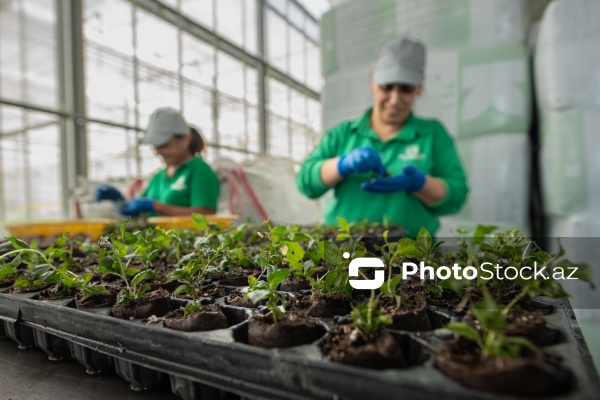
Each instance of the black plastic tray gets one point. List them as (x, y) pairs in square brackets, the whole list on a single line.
[(201, 364)]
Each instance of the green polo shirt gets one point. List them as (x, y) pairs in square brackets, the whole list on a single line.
[(194, 184), (423, 143)]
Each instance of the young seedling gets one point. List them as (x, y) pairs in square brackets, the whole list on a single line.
[(260, 290), (489, 338), (198, 265), (41, 268), (369, 317), (116, 259)]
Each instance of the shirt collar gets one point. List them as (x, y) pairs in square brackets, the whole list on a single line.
[(408, 132)]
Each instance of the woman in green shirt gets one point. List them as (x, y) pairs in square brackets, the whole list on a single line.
[(187, 185), (389, 164)]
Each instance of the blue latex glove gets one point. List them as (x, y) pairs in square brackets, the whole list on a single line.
[(135, 207), (361, 160), (107, 192), (410, 180)]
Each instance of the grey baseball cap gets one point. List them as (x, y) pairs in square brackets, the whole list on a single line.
[(400, 60), (163, 125)]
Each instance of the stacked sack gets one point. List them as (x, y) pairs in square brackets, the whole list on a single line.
[(477, 83), (567, 78)]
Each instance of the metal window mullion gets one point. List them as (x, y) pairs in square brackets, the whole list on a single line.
[(24, 66), (263, 129), (73, 140), (215, 90), (136, 87)]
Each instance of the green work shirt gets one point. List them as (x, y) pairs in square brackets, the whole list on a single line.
[(423, 143), (194, 184)]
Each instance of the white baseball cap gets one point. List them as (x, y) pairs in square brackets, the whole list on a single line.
[(163, 125), (400, 60)]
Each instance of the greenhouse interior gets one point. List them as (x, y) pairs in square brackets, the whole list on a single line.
[(299, 199)]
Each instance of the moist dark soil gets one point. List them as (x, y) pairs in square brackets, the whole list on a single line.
[(16, 290), (234, 279), (321, 305), (290, 330), (157, 303), (412, 316), (293, 285), (49, 294), (112, 279), (520, 322), (236, 298), (534, 374), (208, 319), (163, 283), (213, 290), (98, 301), (7, 282), (346, 344)]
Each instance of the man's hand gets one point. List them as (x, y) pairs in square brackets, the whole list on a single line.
[(410, 180), (361, 160), (107, 192), (135, 207)]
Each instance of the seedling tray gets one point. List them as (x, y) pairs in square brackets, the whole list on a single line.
[(201, 364)]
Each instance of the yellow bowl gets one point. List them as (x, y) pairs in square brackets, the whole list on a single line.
[(186, 222), (91, 227)]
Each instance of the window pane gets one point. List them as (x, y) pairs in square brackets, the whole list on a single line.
[(312, 30), (313, 67), (157, 89), (276, 41), (279, 136), (28, 52), (229, 20), (279, 5), (200, 11), (198, 61), (157, 42), (230, 77), (232, 130), (297, 56), (116, 161), (108, 55), (250, 23), (30, 165), (296, 16), (197, 100)]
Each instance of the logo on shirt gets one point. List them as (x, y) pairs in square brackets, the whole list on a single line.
[(179, 184), (412, 153)]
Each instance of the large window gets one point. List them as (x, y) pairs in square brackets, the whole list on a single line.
[(134, 59)]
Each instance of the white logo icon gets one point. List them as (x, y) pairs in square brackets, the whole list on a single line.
[(366, 262)]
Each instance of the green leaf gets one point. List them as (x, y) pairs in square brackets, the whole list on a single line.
[(295, 254), (275, 278), (129, 238), (424, 239), (465, 330), (481, 232), (257, 295), (406, 248), (200, 221), (344, 224), (187, 288), (18, 243), (331, 254), (140, 277)]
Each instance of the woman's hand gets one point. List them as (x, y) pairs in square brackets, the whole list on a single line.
[(360, 160), (107, 192), (409, 180), (135, 207)]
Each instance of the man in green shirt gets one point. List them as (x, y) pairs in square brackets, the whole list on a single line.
[(187, 185), (388, 164)]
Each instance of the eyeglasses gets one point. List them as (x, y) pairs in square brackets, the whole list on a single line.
[(404, 88)]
